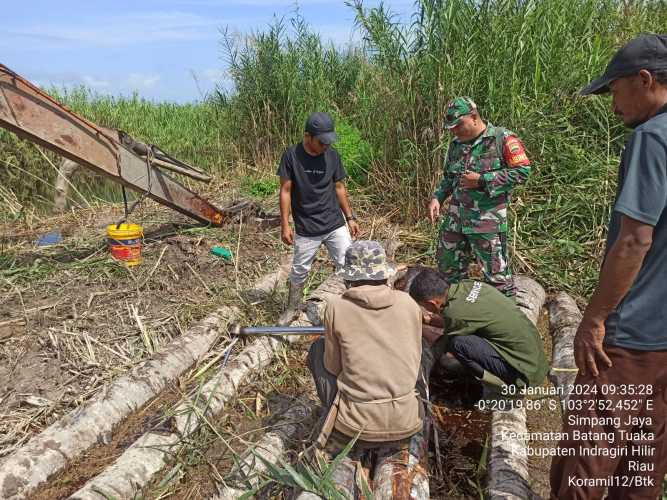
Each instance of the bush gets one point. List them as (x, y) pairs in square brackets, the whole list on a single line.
[(355, 152), (259, 188)]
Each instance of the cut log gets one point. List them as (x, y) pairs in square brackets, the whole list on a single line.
[(246, 473), (333, 286), (50, 451), (68, 438), (530, 297), (137, 466), (403, 474), (266, 286), (508, 460), (564, 319)]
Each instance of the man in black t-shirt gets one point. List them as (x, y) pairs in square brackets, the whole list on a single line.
[(312, 189)]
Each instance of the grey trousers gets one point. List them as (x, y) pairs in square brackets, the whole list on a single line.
[(305, 250), (325, 382)]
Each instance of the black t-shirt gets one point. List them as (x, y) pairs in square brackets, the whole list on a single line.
[(315, 207)]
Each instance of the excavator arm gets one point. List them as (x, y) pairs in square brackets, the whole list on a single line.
[(34, 115)]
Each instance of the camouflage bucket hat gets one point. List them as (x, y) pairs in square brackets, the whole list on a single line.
[(456, 108), (366, 260)]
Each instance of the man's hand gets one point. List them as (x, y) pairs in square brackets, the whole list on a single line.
[(354, 228), (470, 180), (434, 210), (588, 350), (427, 316), (287, 235)]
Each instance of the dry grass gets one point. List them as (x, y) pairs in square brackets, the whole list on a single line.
[(72, 319)]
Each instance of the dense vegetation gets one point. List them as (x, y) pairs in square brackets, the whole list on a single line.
[(523, 61)]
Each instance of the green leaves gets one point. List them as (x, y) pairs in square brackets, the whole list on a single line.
[(314, 475), (355, 152)]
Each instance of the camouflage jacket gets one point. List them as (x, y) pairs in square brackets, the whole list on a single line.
[(502, 166)]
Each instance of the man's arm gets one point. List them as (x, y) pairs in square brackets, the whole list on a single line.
[(445, 188), (332, 357), (443, 191), (285, 209), (516, 172), (619, 271), (343, 200)]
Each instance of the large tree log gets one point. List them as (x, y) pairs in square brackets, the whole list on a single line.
[(137, 466), (508, 460), (247, 471), (66, 439), (403, 474), (564, 319), (267, 285), (63, 441)]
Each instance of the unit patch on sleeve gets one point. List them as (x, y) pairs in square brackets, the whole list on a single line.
[(514, 152)]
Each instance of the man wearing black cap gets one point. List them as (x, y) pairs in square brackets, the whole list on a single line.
[(312, 188), (615, 434)]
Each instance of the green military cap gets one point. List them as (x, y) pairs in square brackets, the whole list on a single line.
[(456, 108), (366, 260)]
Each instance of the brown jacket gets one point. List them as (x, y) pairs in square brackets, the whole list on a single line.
[(373, 346)]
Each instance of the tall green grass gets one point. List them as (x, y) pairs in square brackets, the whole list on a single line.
[(190, 132), (523, 61), (280, 76)]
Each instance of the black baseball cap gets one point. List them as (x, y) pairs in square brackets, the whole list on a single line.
[(321, 127), (648, 51)]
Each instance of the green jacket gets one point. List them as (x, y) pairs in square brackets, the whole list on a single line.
[(500, 158), (476, 308)]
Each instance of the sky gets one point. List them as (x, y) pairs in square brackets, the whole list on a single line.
[(164, 50)]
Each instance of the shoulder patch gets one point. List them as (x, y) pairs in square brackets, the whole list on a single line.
[(514, 153)]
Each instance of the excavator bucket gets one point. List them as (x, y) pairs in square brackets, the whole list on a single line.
[(34, 115)]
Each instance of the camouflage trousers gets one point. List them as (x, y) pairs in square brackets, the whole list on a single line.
[(456, 250)]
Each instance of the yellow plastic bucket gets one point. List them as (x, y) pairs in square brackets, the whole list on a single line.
[(125, 242)]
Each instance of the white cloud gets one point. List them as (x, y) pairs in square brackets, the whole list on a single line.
[(214, 75), (142, 81), (120, 31), (91, 81)]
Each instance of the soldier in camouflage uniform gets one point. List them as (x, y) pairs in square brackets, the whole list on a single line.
[(483, 164)]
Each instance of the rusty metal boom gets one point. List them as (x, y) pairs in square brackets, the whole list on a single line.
[(34, 115)]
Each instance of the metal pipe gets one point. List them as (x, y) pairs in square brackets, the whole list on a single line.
[(276, 330)]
